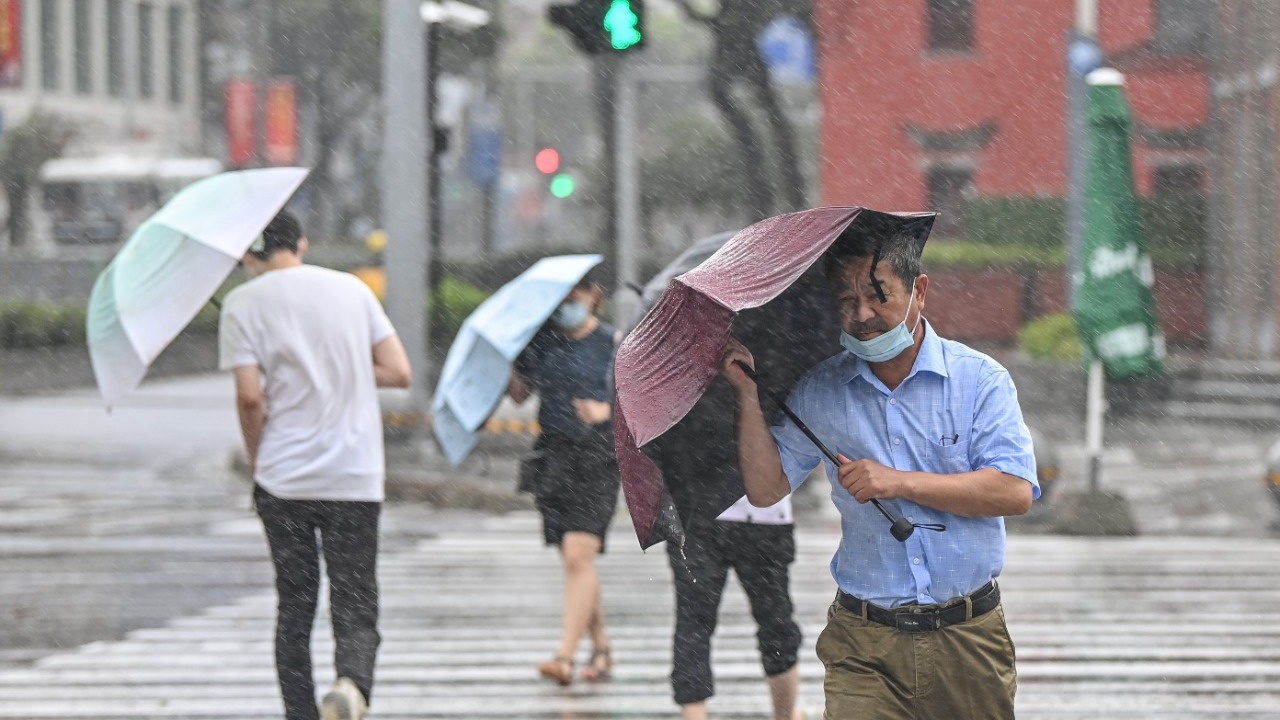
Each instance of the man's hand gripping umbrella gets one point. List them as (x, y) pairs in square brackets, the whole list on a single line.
[(900, 527)]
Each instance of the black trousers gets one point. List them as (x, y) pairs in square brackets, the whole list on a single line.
[(347, 533), (760, 556)]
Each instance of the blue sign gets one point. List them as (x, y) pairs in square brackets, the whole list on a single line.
[(484, 159), (787, 48)]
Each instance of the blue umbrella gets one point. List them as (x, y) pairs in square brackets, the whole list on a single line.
[(475, 373)]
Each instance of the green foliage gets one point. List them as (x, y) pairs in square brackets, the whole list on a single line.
[(1033, 222), (32, 325), (694, 167), (457, 299), (29, 325), (1051, 337), (961, 255), (1175, 226)]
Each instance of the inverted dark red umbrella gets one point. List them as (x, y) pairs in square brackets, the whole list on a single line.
[(668, 361)]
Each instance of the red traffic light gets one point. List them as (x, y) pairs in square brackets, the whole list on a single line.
[(547, 160)]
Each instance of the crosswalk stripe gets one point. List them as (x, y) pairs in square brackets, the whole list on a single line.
[(1150, 627)]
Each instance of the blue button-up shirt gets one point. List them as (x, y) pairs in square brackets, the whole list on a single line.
[(956, 412)]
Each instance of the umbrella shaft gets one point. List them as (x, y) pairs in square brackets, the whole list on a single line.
[(782, 404)]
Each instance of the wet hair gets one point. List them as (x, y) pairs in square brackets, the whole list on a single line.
[(589, 281), (900, 253), (282, 233)]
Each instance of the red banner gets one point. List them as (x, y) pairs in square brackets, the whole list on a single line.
[(241, 121), (10, 43), (281, 145)]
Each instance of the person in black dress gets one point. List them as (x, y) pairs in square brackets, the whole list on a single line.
[(569, 365)]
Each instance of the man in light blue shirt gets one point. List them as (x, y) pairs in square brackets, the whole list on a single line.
[(932, 430)]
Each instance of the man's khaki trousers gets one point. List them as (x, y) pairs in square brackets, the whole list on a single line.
[(875, 672)]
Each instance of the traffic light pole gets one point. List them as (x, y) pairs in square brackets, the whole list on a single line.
[(627, 198), (606, 73), (616, 93)]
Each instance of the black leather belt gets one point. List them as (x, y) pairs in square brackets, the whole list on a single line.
[(925, 618)]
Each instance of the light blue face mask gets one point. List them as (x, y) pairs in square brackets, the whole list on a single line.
[(885, 346), (571, 314)]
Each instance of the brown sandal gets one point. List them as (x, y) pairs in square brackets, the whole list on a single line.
[(600, 667), (558, 668)]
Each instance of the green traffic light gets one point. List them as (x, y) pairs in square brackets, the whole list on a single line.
[(623, 25), (562, 185)]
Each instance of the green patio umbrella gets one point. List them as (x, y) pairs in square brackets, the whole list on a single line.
[(1113, 305), (1114, 309)]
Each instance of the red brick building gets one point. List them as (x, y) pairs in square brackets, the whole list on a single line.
[(927, 102)]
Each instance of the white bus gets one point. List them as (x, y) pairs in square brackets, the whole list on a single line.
[(98, 201)]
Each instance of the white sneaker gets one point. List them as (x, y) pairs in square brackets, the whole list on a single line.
[(343, 702)]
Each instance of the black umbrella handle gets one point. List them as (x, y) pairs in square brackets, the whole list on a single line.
[(899, 527)]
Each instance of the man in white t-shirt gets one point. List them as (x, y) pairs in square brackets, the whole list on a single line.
[(309, 348)]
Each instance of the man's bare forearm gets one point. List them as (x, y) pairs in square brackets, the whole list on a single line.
[(758, 457), (253, 416)]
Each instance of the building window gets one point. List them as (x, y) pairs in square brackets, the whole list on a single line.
[(1177, 213), (950, 25), (948, 189), (176, 45), (84, 47), (146, 51), (1182, 180), (1182, 26), (115, 48), (49, 69)]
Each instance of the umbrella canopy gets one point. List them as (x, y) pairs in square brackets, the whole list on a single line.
[(476, 370), (1114, 309), (170, 267), (788, 335), (665, 365)]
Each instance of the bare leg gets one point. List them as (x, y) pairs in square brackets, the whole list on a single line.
[(694, 711), (581, 590), (595, 626), (783, 690)]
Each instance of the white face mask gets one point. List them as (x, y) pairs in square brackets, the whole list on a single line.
[(885, 346), (570, 315)]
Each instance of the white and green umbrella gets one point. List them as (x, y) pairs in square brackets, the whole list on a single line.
[(171, 266), (1115, 310)]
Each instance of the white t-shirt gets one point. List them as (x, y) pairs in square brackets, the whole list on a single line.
[(311, 331), (743, 511)]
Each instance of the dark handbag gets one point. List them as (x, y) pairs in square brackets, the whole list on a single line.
[(531, 467)]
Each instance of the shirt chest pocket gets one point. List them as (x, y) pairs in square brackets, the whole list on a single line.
[(948, 447), (949, 458)]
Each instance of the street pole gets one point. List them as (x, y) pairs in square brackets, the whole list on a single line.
[(606, 80), (404, 186), (434, 268), (1083, 57), (264, 69), (1094, 419), (627, 230)]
